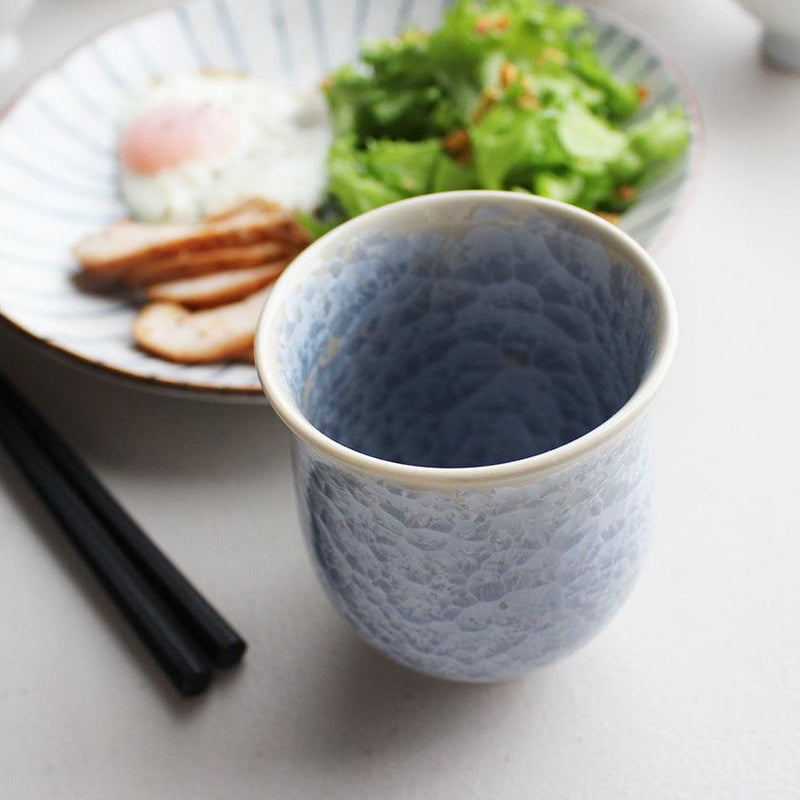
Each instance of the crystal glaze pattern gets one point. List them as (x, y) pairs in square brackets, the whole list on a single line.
[(462, 337), (480, 585)]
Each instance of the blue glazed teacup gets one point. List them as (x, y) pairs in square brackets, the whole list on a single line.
[(467, 377)]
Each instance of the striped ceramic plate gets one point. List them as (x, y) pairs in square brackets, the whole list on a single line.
[(57, 153)]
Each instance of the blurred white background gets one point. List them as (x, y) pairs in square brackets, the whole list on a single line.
[(692, 692)]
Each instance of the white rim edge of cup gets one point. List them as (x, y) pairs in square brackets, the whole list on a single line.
[(665, 337)]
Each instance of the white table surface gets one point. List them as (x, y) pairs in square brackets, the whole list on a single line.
[(692, 692)]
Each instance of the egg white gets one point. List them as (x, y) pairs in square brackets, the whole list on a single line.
[(279, 154)]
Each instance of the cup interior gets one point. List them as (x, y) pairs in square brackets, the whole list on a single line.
[(468, 335)]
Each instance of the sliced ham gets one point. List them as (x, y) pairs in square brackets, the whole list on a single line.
[(113, 251), (227, 332), (195, 263), (218, 288)]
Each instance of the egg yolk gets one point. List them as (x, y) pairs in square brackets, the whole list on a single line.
[(170, 135)]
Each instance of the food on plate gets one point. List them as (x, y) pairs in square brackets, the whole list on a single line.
[(200, 144), (226, 332), (227, 177), (506, 94), (207, 281), (139, 253), (195, 263), (217, 288)]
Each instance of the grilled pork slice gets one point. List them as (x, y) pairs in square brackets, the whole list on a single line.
[(200, 337), (195, 263), (113, 251), (217, 288)]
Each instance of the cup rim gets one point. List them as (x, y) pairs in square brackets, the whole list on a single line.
[(276, 391)]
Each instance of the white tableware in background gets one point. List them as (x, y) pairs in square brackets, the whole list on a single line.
[(781, 18), (12, 13)]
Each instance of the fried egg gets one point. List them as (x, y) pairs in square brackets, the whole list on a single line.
[(201, 144)]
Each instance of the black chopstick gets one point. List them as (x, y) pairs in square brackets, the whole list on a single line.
[(223, 645), (174, 651)]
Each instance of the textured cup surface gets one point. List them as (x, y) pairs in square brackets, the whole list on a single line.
[(467, 378)]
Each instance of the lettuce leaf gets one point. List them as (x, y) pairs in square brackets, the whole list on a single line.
[(663, 136), (523, 81), (350, 181)]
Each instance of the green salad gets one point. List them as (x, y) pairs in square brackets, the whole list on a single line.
[(506, 94)]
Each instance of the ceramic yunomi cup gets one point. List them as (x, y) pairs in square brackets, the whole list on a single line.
[(467, 377)]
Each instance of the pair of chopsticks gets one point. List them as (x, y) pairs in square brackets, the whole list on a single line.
[(177, 625)]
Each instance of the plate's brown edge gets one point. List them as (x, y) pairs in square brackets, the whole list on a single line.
[(144, 382)]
